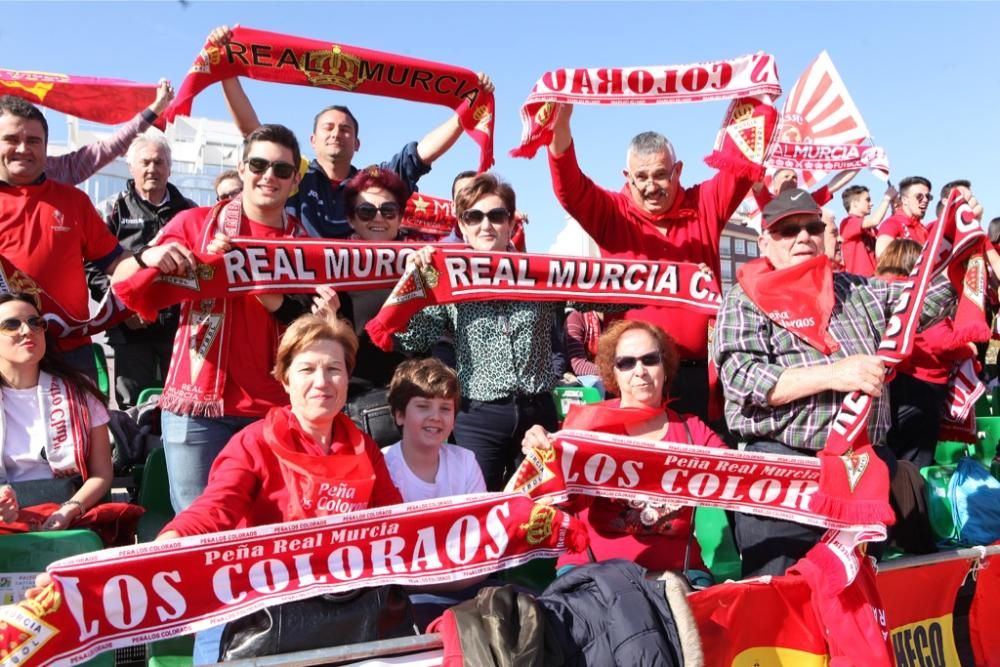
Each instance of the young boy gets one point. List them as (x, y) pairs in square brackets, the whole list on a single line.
[(423, 396)]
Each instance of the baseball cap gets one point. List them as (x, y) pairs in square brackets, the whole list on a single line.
[(793, 201)]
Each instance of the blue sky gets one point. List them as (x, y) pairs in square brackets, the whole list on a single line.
[(924, 75)]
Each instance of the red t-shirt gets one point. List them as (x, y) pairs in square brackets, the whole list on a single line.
[(822, 196), (936, 350), (246, 488), (48, 231), (691, 232), (654, 551), (901, 226), (250, 391), (858, 247)]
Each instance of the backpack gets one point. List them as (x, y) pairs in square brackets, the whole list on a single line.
[(975, 503), (134, 433)]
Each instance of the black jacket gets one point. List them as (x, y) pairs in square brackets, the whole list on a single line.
[(135, 222)]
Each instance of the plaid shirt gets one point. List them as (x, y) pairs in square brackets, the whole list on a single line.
[(751, 352)]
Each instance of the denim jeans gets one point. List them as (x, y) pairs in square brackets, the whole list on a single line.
[(206, 646), (190, 445)]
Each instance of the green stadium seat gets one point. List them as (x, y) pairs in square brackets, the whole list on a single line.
[(33, 552), (564, 397), (718, 549), (988, 431), (148, 393), (173, 652), (938, 503), (949, 452), (101, 361), (154, 495)]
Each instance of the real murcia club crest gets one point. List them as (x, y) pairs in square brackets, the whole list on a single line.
[(413, 285), (856, 464), (191, 279), (33, 632), (534, 471), (747, 131), (206, 328)]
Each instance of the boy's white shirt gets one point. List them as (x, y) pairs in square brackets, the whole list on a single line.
[(458, 473)]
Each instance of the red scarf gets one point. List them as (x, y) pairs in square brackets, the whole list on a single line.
[(277, 58), (745, 76), (197, 376), (81, 96), (110, 312), (305, 466), (269, 266), (798, 298), (457, 276), (429, 215), (132, 595)]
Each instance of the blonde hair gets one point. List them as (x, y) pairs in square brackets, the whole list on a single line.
[(306, 331)]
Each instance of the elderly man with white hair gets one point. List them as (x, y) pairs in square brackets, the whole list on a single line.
[(135, 216)]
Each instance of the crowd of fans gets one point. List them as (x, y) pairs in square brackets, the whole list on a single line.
[(292, 365)]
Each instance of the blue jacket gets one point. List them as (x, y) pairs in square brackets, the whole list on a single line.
[(322, 208)]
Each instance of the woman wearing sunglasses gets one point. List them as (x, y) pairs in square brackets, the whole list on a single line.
[(637, 361), (503, 348), (53, 422)]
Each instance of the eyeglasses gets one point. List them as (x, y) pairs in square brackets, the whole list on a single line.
[(233, 193), (791, 231), (920, 196), (658, 176), (625, 364), (281, 169), (365, 212), (497, 216), (12, 325)]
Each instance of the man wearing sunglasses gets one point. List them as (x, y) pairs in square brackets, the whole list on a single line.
[(907, 222), (792, 339), (319, 202), (48, 229), (653, 217), (135, 216)]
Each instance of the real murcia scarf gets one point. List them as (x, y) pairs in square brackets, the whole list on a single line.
[(277, 58), (457, 275), (81, 96), (741, 77), (134, 595)]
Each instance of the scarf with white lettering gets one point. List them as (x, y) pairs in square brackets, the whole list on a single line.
[(327, 64), (63, 409), (828, 157), (431, 216), (197, 377), (134, 595), (110, 312), (798, 298), (745, 76), (462, 275), (270, 266)]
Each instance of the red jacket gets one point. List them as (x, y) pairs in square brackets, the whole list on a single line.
[(691, 232), (246, 487), (935, 353)]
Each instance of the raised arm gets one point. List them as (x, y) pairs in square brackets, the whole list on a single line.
[(232, 90), (876, 217), (81, 164), (437, 142)]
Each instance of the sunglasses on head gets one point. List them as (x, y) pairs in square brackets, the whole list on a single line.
[(791, 231), (281, 169), (628, 363), (497, 216), (365, 211), (12, 325)]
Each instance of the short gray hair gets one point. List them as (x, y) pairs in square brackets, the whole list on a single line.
[(650, 143), (144, 139)]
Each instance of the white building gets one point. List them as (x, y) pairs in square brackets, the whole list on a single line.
[(201, 149)]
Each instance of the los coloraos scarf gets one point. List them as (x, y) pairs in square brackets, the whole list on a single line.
[(110, 312), (63, 409), (81, 96), (457, 276), (277, 58), (134, 595), (745, 76)]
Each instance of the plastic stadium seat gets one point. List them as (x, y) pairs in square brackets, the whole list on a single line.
[(148, 393), (33, 552), (988, 431), (938, 503), (718, 549), (103, 383), (154, 495), (949, 452)]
